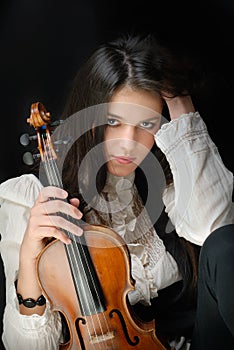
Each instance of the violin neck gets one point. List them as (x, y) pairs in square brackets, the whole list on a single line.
[(88, 288), (52, 174), (87, 285)]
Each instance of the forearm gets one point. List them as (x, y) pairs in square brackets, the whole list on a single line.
[(179, 105), (33, 331), (28, 286), (199, 200), (26, 332)]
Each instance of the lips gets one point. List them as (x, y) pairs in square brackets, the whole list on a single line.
[(124, 159)]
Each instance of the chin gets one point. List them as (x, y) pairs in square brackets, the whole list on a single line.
[(121, 170)]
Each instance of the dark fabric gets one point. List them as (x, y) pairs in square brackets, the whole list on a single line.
[(174, 318), (214, 328)]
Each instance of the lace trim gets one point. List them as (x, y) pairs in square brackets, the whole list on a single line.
[(121, 208)]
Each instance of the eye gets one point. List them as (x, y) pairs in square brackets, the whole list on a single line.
[(113, 122), (147, 125)]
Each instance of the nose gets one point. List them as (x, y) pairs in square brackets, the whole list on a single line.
[(128, 137), (129, 132)]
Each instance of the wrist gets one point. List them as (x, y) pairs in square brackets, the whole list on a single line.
[(27, 283), (180, 105), (29, 294), (29, 251), (30, 302)]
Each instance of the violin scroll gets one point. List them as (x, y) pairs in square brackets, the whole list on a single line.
[(40, 119), (39, 115)]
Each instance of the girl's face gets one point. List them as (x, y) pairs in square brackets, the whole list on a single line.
[(133, 118)]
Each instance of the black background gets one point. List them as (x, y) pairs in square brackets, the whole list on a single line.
[(43, 42)]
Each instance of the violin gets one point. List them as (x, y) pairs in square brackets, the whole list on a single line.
[(88, 280)]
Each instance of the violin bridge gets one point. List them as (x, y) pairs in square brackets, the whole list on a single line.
[(95, 339)]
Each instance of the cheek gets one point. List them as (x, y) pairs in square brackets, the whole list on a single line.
[(150, 143), (108, 140), (111, 134), (112, 141), (146, 139)]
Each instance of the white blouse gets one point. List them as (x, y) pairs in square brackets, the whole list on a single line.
[(198, 202), (200, 199)]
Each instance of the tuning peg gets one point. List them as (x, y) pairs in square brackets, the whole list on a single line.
[(29, 158), (57, 122), (26, 138)]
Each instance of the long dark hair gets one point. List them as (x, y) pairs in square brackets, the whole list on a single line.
[(142, 63)]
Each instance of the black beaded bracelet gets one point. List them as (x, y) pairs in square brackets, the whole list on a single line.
[(29, 302)]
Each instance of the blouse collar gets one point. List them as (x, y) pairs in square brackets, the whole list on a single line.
[(118, 184)]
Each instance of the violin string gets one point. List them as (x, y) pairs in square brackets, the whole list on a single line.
[(55, 179)]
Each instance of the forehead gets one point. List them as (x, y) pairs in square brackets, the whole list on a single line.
[(135, 104), (131, 113)]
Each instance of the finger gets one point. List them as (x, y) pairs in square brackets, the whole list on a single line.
[(49, 232), (55, 206), (75, 202), (51, 192), (64, 224), (57, 221), (47, 226)]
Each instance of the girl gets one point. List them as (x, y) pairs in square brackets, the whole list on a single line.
[(117, 102)]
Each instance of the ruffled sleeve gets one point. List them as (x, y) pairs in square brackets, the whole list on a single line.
[(148, 280), (29, 332), (200, 198), (17, 196)]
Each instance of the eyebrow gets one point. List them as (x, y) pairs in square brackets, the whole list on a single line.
[(119, 117), (114, 115)]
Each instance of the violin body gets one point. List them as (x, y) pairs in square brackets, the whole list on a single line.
[(115, 328)]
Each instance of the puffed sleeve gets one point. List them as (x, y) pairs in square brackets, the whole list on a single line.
[(200, 198), (17, 196)]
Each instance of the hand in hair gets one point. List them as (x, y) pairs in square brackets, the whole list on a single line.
[(179, 105)]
